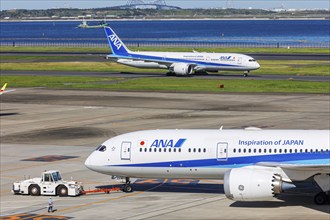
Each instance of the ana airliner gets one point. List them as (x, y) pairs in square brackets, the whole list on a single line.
[(178, 63), (255, 164)]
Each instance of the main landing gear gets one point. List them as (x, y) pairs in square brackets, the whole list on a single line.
[(246, 73), (323, 181), (127, 186), (322, 198)]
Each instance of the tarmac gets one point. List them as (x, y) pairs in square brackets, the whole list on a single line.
[(45, 129)]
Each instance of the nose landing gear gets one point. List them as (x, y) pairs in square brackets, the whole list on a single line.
[(127, 186), (246, 73)]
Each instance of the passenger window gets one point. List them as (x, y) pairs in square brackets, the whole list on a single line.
[(169, 150), (174, 150), (155, 149), (150, 149), (189, 150), (204, 150), (145, 149), (140, 149), (179, 149), (160, 150), (234, 150), (164, 149), (194, 150)]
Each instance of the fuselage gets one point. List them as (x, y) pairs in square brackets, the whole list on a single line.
[(180, 63), (203, 61), (205, 153)]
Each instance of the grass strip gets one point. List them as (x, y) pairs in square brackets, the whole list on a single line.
[(182, 84)]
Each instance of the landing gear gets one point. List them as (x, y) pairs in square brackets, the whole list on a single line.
[(323, 181), (322, 198), (246, 73), (127, 186)]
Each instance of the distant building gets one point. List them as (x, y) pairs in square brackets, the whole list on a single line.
[(142, 4)]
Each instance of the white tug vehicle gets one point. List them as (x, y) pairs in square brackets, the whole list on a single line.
[(50, 183)]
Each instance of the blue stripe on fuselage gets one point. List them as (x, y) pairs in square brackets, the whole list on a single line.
[(308, 158)]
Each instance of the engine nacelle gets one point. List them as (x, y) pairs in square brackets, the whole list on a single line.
[(253, 184), (182, 69)]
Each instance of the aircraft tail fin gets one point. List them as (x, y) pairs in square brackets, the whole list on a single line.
[(3, 87), (116, 45)]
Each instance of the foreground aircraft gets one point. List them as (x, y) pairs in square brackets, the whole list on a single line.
[(3, 89), (255, 164), (178, 63)]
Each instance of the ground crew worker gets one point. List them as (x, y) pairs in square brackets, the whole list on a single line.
[(50, 204)]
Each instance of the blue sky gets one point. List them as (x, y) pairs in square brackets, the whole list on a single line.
[(265, 4)]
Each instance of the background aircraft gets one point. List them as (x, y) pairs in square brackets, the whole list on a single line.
[(178, 63), (255, 164), (84, 24)]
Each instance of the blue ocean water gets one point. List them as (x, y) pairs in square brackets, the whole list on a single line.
[(294, 32)]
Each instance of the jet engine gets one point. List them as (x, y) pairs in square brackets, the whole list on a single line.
[(182, 69), (254, 184)]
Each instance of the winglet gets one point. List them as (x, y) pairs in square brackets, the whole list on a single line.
[(3, 87), (116, 45)]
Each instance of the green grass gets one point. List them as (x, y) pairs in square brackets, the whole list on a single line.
[(294, 67), (72, 66), (106, 49), (168, 84)]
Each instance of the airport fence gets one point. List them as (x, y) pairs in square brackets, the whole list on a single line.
[(166, 44)]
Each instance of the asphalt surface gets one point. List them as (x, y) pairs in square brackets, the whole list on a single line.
[(44, 123), (162, 75)]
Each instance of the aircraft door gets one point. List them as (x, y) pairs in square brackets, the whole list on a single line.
[(239, 60), (126, 150), (222, 151)]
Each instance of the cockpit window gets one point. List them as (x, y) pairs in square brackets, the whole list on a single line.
[(252, 60), (101, 148)]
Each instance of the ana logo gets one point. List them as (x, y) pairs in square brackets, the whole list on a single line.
[(113, 38), (227, 58), (167, 143)]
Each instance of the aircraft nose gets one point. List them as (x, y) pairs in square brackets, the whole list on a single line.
[(257, 65), (89, 162)]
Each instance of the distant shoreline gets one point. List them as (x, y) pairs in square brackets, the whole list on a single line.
[(159, 19)]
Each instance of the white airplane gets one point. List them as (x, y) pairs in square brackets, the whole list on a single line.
[(2, 91), (255, 164), (178, 63)]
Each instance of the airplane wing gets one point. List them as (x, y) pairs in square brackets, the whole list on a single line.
[(298, 172), (298, 167), (150, 60)]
